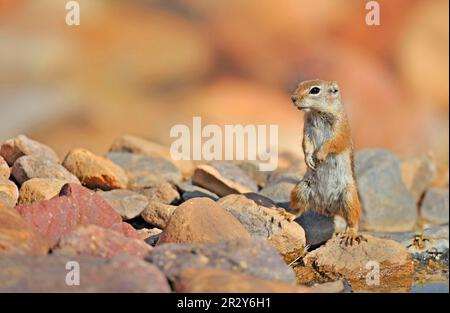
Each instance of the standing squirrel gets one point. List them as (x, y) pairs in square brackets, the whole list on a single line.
[(329, 185)]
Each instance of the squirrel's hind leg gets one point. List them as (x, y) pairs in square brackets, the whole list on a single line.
[(351, 213)]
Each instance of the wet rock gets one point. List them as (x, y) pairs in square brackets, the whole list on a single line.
[(97, 241), (95, 171), (48, 273), (265, 221), (17, 236), (190, 191), (162, 192), (14, 148), (5, 171), (386, 203), (223, 179), (74, 206), (8, 192), (145, 171), (217, 280), (201, 220), (417, 174), (318, 228), (435, 208), (252, 257), (37, 189), (334, 260), (127, 203), (138, 145), (158, 214), (30, 166)]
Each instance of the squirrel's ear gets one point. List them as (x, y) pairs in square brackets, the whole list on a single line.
[(334, 88)]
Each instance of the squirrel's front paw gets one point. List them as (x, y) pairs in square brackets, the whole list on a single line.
[(309, 159)]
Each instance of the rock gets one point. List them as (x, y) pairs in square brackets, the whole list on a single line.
[(37, 189), (162, 192), (30, 166), (49, 273), (431, 243), (95, 171), (190, 191), (251, 169), (158, 214), (14, 148), (5, 171), (264, 221), (138, 145), (127, 203), (223, 179), (386, 203), (318, 228), (220, 281), (202, 220), (8, 192), (435, 208), (74, 206), (97, 241), (279, 187), (252, 257), (355, 262), (152, 235), (417, 174), (17, 236), (145, 171)]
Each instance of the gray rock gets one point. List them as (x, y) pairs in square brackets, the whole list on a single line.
[(48, 274), (435, 207), (190, 191), (252, 257), (234, 173), (145, 171), (31, 166), (318, 228), (127, 203), (387, 204)]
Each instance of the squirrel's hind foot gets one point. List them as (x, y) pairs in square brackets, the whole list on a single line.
[(350, 237)]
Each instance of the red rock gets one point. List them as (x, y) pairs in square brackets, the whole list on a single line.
[(74, 206), (97, 241), (17, 236)]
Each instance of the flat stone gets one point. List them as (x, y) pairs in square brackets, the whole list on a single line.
[(97, 241), (220, 281), (5, 171), (201, 220), (435, 207), (318, 228), (9, 193), (37, 189), (95, 171), (158, 214), (30, 166), (145, 171), (265, 221), (417, 173), (17, 236), (14, 148), (74, 206), (387, 205), (127, 203), (252, 257), (251, 169), (190, 191), (162, 192), (355, 262), (49, 273), (223, 179)]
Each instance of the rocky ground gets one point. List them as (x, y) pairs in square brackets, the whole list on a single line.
[(136, 221)]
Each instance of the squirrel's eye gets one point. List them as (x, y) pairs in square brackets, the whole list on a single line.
[(314, 91)]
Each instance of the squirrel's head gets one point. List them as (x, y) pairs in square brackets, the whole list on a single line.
[(317, 96)]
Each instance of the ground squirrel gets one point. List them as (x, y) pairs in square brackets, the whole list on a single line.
[(329, 185)]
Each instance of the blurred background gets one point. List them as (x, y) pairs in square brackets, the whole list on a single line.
[(141, 66)]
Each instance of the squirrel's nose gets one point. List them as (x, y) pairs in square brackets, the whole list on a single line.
[(293, 99)]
